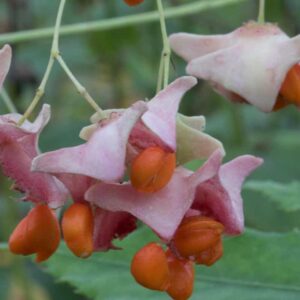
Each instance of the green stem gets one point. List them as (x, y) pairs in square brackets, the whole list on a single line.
[(261, 12), (39, 93), (166, 52), (160, 74), (8, 102), (113, 23), (81, 89), (54, 50), (54, 55)]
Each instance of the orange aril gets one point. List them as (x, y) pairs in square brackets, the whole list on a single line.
[(37, 233), (152, 169), (77, 227), (211, 255), (196, 234), (181, 277), (290, 89), (149, 267)]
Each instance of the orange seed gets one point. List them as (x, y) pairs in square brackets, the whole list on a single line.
[(152, 169), (37, 233), (181, 277), (196, 234), (149, 267), (290, 89), (77, 227), (211, 255)]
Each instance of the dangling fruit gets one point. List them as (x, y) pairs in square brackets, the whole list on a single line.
[(77, 228), (37, 233), (149, 267), (152, 169)]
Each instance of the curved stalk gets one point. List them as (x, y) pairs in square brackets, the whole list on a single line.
[(261, 12), (166, 52), (54, 49)]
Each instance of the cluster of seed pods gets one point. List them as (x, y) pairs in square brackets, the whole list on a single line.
[(168, 266), (271, 85), (198, 240), (39, 232)]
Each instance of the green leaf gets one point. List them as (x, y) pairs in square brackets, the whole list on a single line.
[(255, 265), (285, 195)]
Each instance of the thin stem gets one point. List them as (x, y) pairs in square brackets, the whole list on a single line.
[(166, 46), (80, 88), (7, 101), (39, 92), (57, 27), (261, 12), (119, 22), (160, 74), (54, 50)]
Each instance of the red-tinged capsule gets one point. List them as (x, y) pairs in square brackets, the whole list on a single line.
[(152, 169), (133, 2), (149, 267), (182, 276), (77, 228), (290, 89), (196, 234), (211, 255), (37, 233)]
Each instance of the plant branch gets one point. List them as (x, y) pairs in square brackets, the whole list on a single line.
[(160, 74), (166, 52), (54, 50), (55, 55), (81, 89), (261, 12), (119, 22)]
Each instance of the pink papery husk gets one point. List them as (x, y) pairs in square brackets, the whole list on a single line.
[(162, 110), (246, 65), (161, 126), (19, 145), (164, 210), (109, 226), (142, 125), (220, 197), (102, 157), (157, 126)]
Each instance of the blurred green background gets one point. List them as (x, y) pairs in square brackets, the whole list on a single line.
[(119, 67)]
